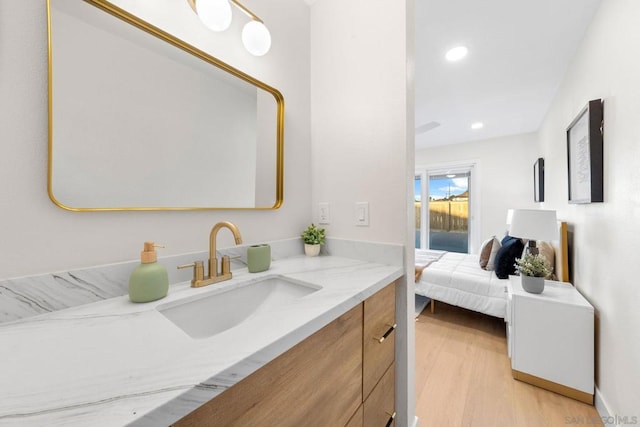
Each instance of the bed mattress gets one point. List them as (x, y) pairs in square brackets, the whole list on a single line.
[(458, 279)]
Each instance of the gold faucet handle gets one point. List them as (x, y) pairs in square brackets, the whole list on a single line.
[(198, 271), (226, 265)]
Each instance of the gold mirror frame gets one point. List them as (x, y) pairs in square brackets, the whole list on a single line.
[(162, 35)]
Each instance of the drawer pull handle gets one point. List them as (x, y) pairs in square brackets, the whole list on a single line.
[(392, 417), (386, 334)]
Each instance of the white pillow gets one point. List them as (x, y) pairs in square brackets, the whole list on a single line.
[(488, 252)]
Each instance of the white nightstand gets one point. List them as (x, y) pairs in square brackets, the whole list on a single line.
[(550, 338)]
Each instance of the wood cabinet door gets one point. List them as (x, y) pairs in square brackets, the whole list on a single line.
[(357, 419), (379, 336), (316, 383), (379, 408)]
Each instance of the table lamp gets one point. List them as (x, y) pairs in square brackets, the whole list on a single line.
[(533, 224)]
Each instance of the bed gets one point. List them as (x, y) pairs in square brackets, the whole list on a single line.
[(459, 280)]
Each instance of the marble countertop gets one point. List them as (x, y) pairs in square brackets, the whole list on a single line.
[(114, 363)]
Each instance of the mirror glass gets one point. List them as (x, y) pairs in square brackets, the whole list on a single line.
[(140, 120)]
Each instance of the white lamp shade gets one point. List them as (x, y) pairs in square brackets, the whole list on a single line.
[(214, 14), (256, 38), (534, 224)]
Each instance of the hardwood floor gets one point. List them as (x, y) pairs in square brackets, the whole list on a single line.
[(463, 377)]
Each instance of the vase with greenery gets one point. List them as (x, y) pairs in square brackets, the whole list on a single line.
[(313, 237), (533, 269)]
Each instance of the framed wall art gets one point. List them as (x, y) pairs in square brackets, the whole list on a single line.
[(538, 180), (585, 155)]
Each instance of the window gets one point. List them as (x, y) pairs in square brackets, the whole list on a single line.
[(444, 205)]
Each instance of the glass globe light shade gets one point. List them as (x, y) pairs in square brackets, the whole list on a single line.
[(256, 38), (457, 53), (214, 14)]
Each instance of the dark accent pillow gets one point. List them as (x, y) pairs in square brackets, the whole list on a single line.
[(506, 239), (511, 249)]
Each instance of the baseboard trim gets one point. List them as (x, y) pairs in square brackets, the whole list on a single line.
[(554, 387), (602, 407)]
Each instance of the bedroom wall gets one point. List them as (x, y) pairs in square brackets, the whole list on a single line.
[(38, 237), (605, 234), (498, 158)]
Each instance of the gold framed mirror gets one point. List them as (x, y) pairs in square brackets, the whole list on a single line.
[(141, 120)]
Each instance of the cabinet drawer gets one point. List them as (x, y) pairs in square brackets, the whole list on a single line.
[(379, 408), (379, 336)]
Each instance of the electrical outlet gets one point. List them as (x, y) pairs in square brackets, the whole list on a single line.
[(324, 213)]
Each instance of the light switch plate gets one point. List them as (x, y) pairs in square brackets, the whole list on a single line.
[(362, 214), (324, 213)]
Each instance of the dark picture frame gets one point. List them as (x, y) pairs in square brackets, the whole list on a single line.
[(585, 155), (538, 180)]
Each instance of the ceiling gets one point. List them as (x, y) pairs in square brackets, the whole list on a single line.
[(518, 54)]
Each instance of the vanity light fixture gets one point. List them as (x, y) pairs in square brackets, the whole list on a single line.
[(477, 125), (456, 54), (216, 15)]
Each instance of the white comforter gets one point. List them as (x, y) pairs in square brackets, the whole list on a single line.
[(458, 279)]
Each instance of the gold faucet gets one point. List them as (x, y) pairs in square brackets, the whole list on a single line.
[(215, 275)]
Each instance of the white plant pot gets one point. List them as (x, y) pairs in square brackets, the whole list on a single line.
[(533, 285), (311, 250)]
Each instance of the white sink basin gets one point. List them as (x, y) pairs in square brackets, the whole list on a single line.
[(205, 316)]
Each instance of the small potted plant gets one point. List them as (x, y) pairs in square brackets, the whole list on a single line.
[(313, 237), (533, 269)]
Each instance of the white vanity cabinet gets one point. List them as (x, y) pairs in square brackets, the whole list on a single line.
[(550, 337)]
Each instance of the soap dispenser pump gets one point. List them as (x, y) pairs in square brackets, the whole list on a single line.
[(149, 281)]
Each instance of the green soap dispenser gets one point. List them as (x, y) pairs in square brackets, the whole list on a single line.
[(149, 281)]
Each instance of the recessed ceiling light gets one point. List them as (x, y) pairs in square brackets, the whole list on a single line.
[(457, 53), (477, 125)]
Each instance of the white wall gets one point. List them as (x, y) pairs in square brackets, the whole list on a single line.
[(358, 115), (39, 237), (504, 177), (362, 111), (605, 234)]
